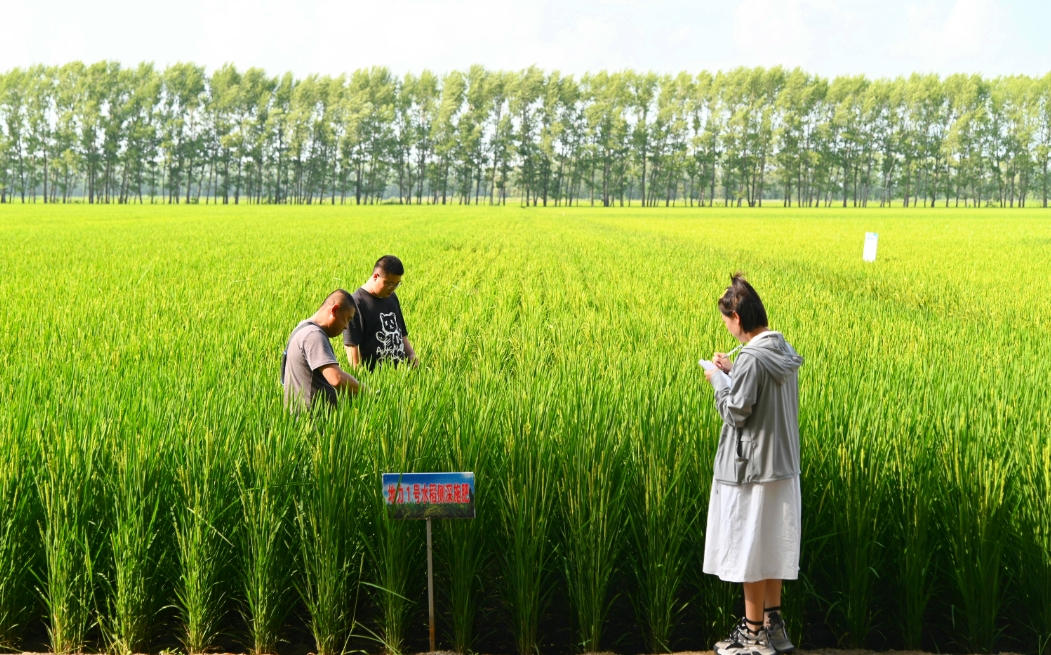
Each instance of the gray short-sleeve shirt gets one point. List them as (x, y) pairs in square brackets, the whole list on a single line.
[(309, 349)]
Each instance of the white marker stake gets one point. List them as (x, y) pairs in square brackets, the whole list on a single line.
[(871, 241)]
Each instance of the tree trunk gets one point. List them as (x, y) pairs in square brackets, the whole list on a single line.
[(642, 182), (1012, 192), (1045, 183), (189, 180), (762, 179), (846, 180), (854, 184), (908, 180), (868, 180), (592, 186)]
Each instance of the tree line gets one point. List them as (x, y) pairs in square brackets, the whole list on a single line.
[(104, 133)]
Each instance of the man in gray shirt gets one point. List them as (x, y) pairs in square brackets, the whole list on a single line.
[(310, 368)]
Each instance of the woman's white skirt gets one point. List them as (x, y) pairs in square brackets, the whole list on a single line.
[(753, 531)]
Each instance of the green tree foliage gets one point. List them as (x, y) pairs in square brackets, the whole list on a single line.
[(105, 133)]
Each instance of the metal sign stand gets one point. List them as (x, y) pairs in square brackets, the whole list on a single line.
[(430, 583)]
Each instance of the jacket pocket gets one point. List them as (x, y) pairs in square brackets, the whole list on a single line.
[(725, 456), (743, 459)]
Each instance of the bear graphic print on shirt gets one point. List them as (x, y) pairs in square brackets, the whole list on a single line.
[(389, 337)]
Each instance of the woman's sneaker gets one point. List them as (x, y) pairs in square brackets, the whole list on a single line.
[(778, 635), (743, 641)]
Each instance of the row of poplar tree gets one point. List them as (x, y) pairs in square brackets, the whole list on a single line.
[(106, 133)]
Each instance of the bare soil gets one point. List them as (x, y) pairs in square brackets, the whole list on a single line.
[(836, 651), (817, 651)]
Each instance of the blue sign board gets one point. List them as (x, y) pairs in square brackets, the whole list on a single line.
[(429, 495)]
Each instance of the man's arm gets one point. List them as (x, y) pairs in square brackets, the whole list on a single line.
[(354, 356), (410, 354), (342, 381)]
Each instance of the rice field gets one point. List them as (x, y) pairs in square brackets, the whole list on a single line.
[(156, 496)]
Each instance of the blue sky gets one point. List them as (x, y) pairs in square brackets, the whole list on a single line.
[(830, 37)]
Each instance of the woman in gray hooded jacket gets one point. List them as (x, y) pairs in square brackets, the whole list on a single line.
[(754, 512)]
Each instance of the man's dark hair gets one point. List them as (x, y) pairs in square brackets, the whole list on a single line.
[(740, 297), (390, 265), (340, 298)]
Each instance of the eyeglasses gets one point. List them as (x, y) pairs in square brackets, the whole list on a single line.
[(388, 285)]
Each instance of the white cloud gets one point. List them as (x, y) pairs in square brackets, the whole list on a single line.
[(244, 31), (15, 40), (570, 36), (334, 36), (414, 34), (962, 38), (772, 32)]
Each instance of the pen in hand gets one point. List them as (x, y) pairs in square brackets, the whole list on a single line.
[(719, 357)]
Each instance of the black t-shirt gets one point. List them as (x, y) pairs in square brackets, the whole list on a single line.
[(377, 329)]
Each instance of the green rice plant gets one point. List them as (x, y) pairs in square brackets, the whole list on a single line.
[(136, 492), (203, 517), (394, 552), (267, 488), (977, 528), (859, 498), (721, 606), (18, 459), (1035, 489), (915, 486), (526, 496), (594, 494), (328, 516), (68, 485), (466, 547), (799, 595), (812, 592), (404, 415), (542, 337), (662, 516)]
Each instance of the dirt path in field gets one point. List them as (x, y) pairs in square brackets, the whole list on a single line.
[(819, 651), (815, 652), (836, 651)]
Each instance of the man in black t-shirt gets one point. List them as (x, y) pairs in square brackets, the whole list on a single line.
[(377, 333)]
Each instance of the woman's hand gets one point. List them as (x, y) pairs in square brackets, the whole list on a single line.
[(708, 373), (722, 362)]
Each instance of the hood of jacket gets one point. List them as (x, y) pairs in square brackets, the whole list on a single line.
[(775, 355)]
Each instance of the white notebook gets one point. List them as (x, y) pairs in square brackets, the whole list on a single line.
[(707, 365)]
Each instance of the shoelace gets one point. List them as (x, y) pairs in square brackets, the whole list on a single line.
[(736, 634), (742, 636)]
